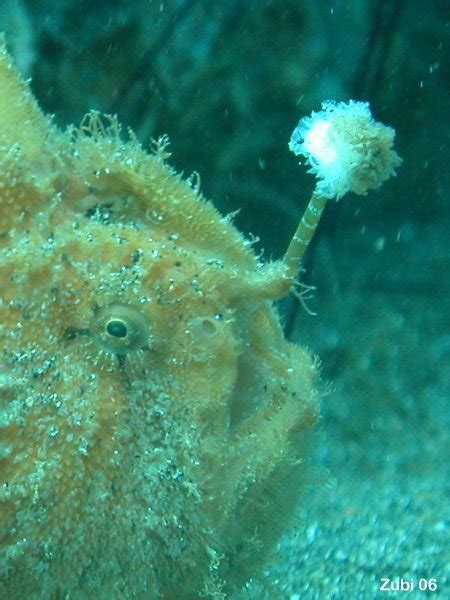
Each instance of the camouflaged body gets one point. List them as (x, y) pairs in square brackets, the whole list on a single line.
[(166, 468)]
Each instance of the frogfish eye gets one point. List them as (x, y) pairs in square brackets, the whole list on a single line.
[(119, 328)]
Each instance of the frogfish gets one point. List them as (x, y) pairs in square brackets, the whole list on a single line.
[(153, 417)]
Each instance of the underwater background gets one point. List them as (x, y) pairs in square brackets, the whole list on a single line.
[(227, 80)]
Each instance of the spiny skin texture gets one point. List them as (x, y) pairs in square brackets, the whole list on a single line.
[(165, 470)]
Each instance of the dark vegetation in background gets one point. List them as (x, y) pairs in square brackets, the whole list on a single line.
[(228, 80)]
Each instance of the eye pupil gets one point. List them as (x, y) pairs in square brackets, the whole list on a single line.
[(117, 328)]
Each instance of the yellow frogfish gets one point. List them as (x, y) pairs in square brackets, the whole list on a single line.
[(153, 417)]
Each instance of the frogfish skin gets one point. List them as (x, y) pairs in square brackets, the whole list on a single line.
[(153, 418)]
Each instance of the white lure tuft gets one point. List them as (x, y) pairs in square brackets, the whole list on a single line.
[(346, 148)]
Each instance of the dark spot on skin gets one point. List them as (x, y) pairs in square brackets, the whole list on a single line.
[(70, 333), (100, 212), (65, 258), (135, 257)]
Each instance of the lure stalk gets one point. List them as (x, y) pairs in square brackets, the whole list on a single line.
[(305, 231)]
